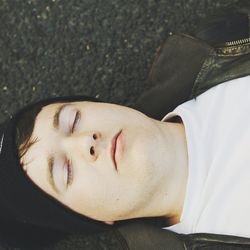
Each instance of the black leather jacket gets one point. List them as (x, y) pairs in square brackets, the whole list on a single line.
[(184, 68)]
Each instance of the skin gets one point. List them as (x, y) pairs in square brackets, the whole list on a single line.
[(152, 166)]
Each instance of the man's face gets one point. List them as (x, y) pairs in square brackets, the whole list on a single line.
[(96, 188)]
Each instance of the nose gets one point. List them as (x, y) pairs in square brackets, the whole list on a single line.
[(84, 144)]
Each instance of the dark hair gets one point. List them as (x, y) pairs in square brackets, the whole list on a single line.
[(24, 129), (14, 233)]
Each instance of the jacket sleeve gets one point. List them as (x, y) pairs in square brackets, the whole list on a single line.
[(215, 242), (143, 236), (172, 75)]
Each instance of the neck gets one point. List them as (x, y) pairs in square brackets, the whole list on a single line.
[(180, 173), (169, 199)]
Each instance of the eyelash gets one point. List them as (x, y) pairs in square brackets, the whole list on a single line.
[(77, 118), (68, 164), (69, 171)]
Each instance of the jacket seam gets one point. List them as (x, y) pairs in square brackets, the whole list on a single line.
[(248, 24), (203, 71)]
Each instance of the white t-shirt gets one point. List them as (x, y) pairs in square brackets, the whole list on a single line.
[(217, 126)]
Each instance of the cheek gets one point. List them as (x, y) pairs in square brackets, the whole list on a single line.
[(98, 197), (89, 190), (140, 155)]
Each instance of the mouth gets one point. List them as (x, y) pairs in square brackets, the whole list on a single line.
[(113, 148)]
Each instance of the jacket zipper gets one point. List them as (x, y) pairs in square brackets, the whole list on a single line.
[(233, 47), (238, 42)]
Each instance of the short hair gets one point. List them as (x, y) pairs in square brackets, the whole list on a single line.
[(24, 129)]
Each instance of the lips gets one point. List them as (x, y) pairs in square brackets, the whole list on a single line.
[(113, 148)]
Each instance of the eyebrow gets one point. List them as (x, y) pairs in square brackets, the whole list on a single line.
[(51, 159), (50, 173), (57, 115)]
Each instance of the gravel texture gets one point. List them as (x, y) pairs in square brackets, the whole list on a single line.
[(92, 47)]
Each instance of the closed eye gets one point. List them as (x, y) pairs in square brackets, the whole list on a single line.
[(76, 120), (69, 178)]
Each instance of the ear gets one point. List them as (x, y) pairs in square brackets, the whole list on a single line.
[(109, 222)]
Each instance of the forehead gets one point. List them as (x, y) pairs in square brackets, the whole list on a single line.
[(43, 130), (44, 121), (35, 159), (48, 111)]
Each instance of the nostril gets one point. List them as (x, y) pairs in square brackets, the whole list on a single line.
[(92, 151), (94, 136)]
